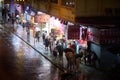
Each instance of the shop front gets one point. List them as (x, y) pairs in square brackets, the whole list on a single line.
[(41, 20), (52, 26), (57, 27), (78, 35)]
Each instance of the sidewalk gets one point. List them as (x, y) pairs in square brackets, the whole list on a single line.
[(87, 71)]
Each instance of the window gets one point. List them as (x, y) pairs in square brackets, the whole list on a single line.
[(44, 0), (117, 11), (69, 3), (109, 12), (19, 0), (54, 1)]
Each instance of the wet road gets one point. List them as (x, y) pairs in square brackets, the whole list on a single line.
[(18, 61), (21, 58)]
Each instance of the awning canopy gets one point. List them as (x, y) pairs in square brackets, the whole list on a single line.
[(42, 18), (107, 20)]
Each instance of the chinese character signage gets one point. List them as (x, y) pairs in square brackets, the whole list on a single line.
[(73, 32)]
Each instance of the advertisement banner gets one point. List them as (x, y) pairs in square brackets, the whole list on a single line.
[(73, 32)]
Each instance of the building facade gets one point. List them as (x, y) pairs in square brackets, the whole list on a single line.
[(99, 16)]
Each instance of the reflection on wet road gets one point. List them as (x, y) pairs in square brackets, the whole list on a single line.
[(18, 61), (22, 59)]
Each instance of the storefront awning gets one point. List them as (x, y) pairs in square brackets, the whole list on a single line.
[(42, 18), (108, 20)]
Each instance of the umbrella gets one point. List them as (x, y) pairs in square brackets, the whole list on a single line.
[(67, 50)]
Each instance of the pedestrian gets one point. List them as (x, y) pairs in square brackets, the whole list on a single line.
[(13, 21), (23, 25), (37, 36), (47, 43), (88, 58), (13, 18), (70, 60), (28, 31), (43, 37), (17, 19), (77, 61), (4, 14), (60, 50), (37, 33), (73, 46), (55, 53), (51, 39), (9, 17)]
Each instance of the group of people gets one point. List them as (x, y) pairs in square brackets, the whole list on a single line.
[(89, 58), (73, 60), (58, 47)]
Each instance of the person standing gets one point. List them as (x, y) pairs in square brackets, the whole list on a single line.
[(37, 33), (47, 43), (23, 25), (51, 39), (55, 53), (70, 57), (3, 14), (43, 37), (60, 50), (9, 17), (28, 34), (13, 21), (37, 36)]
